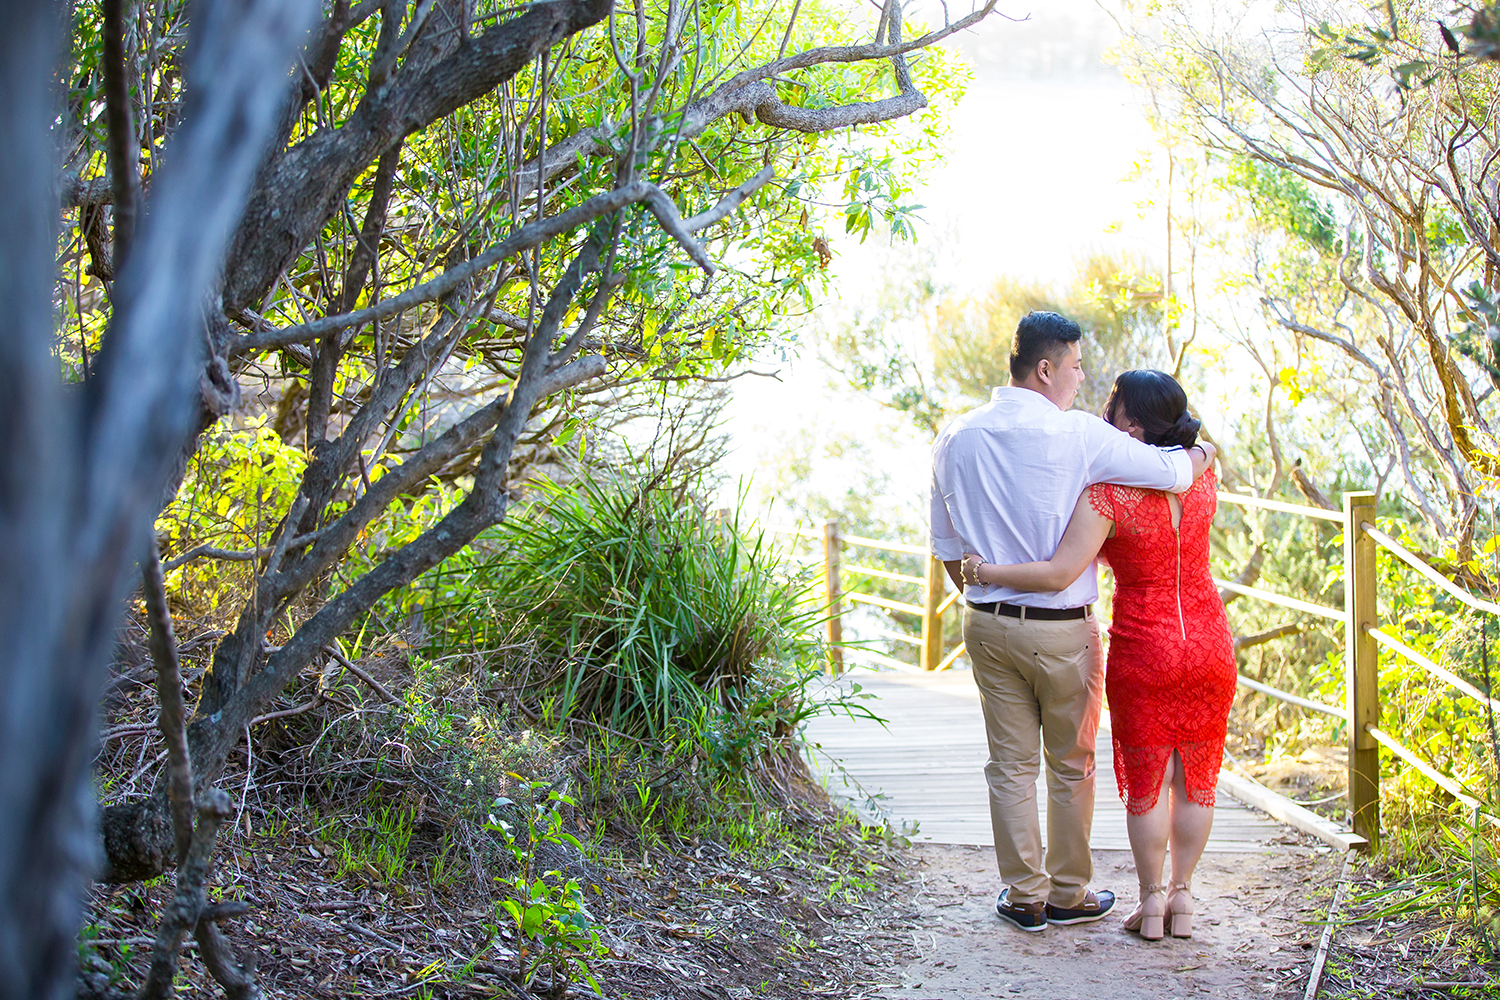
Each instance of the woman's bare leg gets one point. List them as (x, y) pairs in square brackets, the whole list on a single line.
[(1149, 834), (1190, 825)]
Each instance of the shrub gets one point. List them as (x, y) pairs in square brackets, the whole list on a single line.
[(641, 611)]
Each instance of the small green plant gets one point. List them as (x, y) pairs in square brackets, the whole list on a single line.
[(548, 912), (1454, 874), (383, 851), (443, 870)]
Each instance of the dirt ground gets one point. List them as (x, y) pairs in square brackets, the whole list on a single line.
[(1255, 932)]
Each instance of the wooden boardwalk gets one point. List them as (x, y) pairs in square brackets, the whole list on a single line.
[(926, 767)]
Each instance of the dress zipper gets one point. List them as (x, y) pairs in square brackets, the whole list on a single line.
[(1177, 533)]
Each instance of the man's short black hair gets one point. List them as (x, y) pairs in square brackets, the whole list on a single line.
[(1040, 335)]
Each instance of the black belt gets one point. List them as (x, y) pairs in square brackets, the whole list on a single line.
[(1032, 614)]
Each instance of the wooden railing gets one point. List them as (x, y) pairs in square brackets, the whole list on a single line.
[(932, 586), (1363, 637)]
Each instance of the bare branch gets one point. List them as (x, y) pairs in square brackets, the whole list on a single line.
[(665, 210), (218, 956), (180, 916), (359, 672), (172, 716), (123, 145), (1260, 638), (1309, 488), (1248, 575), (856, 53), (307, 706)]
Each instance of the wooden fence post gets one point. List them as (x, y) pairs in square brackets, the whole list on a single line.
[(835, 591), (932, 619), (1361, 665)]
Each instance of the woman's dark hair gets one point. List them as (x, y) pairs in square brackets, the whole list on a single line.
[(1154, 400)]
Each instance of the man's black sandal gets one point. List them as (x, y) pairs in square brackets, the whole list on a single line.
[(1094, 907), (1028, 917)]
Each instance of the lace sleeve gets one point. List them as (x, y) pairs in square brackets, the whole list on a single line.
[(1208, 485), (1102, 499)]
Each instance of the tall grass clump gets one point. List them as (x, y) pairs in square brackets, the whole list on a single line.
[(630, 605)]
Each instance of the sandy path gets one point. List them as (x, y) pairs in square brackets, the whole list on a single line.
[(1254, 934)]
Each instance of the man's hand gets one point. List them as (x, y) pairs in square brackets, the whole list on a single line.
[(1202, 454), (955, 572)]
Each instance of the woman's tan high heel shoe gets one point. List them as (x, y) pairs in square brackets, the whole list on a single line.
[(1142, 919), (1180, 910)]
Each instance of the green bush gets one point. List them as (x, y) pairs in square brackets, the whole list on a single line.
[(629, 605)]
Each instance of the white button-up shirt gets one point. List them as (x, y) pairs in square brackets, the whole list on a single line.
[(1006, 476)]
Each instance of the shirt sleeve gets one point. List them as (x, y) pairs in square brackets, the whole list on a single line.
[(1116, 457), (943, 536)]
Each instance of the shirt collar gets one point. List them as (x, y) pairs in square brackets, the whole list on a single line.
[(1020, 394)]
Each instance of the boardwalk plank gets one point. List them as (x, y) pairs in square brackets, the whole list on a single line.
[(924, 767)]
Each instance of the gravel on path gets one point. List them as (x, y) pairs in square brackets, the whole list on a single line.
[(1254, 934)]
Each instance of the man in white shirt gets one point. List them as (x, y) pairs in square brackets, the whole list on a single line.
[(1005, 478)]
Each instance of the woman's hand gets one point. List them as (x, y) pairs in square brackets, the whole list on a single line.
[(969, 571)]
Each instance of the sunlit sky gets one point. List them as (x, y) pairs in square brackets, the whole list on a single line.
[(1036, 178)]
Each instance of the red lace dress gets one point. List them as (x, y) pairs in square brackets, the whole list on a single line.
[(1170, 676)]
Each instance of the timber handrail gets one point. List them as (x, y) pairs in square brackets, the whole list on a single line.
[(1245, 500), (934, 603), (875, 543), (885, 574), (1417, 563), (883, 602), (1362, 639), (1391, 642), (1286, 602), (1292, 699), (958, 651)]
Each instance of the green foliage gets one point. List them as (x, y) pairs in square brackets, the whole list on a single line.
[(547, 909), (239, 485), (1479, 338), (1283, 200), (1455, 873), (1117, 301), (644, 611), (380, 848)]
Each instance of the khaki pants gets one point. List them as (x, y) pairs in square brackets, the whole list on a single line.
[(1041, 684)]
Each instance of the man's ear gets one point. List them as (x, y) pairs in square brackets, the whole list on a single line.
[(1044, 371)]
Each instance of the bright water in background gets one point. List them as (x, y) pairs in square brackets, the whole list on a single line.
[(1041, 147)]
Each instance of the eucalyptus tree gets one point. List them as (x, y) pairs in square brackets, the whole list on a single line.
[(377, 199), (1383, 194)]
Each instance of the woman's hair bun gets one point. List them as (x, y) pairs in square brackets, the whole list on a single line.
[(1185, 431)]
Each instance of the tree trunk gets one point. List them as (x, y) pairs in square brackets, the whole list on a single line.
[(83, 472)]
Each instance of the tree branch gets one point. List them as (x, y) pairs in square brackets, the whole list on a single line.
[(529, 236), (123, 145), (181, 915), (350, 666), (299, 189), (172, 717), (1260, 638), (210, 552)]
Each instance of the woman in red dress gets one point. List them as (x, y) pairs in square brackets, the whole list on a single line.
[(1170, 676)]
